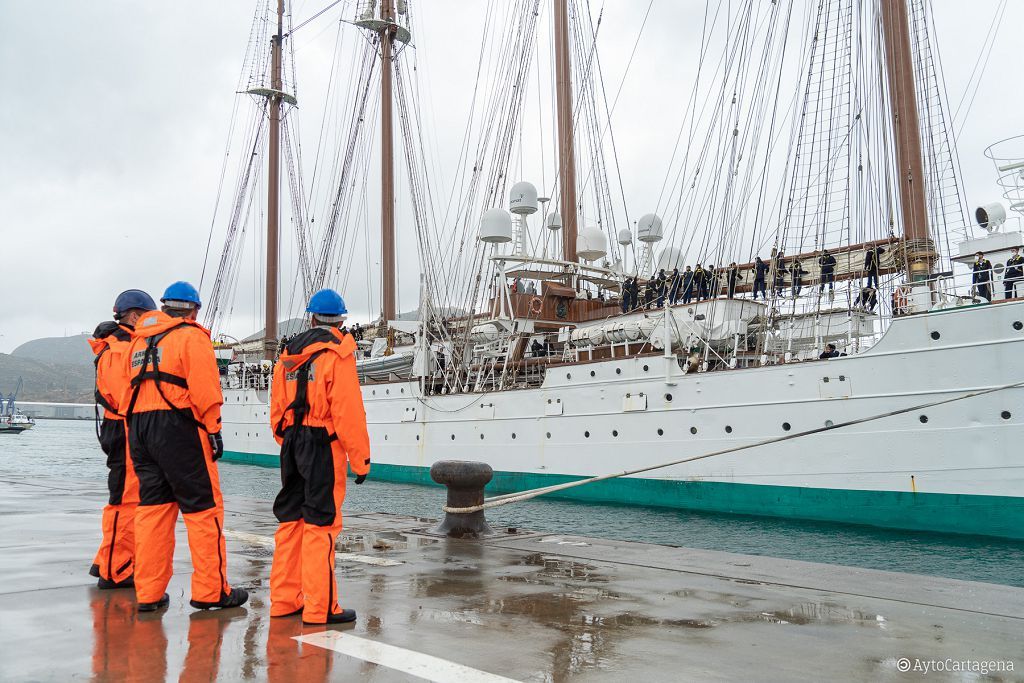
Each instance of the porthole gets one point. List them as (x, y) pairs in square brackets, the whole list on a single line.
[(615, 432), (586, 435), (403, 390), (935, 335), (1005, 415), (668, 397), (481, 437), (385, 437), (549, 435), (568, 375), (387, 391), (646, 368), (829, 423), (923, 419), (693, 430), (728, 429), (1018, 325), (417, 437), (453, 437), (661, 432), (593, 374), (786, 426), (374, 392), (618, 371), (513, 436)]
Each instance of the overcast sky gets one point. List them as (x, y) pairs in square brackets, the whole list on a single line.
[(117, 112)]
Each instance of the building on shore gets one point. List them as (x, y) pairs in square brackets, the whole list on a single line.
[(58, 411)]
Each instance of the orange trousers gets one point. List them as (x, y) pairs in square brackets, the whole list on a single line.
[(308, 508), (176, 471), (115, 557)]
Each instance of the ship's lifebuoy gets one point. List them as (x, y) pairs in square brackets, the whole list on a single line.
[(899, 301), (536, 305)]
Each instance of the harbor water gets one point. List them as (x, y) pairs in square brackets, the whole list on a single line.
[(68, 450)]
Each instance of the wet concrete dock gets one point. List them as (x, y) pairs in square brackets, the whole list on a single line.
[(524, 606)]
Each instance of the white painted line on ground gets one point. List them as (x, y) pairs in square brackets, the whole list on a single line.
[(268, 542), (417, 664)]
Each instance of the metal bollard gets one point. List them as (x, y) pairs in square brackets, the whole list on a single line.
[(465, 482)]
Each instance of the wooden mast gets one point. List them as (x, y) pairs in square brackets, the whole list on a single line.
[(387, 166), (920, 251), (566, 150), (273, 187)]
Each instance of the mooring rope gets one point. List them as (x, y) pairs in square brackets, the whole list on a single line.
[(509, 498)]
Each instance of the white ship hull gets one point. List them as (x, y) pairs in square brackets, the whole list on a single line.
[(956, 467)]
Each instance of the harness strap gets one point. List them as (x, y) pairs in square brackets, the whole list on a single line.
[(300, 404), (152, 355)]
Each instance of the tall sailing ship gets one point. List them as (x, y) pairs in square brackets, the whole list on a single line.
[(821, 125)]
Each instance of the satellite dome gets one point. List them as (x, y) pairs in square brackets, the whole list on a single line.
[(522, 198), (671, 257), (496, 226), (554, 221), (625, 237), (649, 229), (592, 243)]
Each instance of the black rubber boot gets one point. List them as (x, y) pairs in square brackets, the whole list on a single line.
[(154, 606), (236, 598), (107, 584), (345, 616), (94, 571)]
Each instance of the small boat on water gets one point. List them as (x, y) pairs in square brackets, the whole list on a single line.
[(12, 420)]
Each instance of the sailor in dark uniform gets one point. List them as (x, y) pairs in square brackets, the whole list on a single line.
[(1013, 274), (982, 276)]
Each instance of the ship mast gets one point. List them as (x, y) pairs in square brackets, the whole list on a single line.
[(275, 97), (566, 151), (899, 61), (387, 167)]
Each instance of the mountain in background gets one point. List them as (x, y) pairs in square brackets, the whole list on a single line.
[(72, 350)]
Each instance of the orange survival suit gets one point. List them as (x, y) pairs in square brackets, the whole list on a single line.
[(172, 405), (114, 560), (318, 418)]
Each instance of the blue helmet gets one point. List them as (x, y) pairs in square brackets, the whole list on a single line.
[(326, 302), (181, 295), (132, 299)]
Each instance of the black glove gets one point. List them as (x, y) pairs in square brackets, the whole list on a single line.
[(360, 478), (216, 445)]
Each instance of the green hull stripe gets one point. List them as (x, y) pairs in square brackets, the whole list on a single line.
[(1001, 516)]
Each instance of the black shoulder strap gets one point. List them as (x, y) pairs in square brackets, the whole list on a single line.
[(152, 355), (300, 404)]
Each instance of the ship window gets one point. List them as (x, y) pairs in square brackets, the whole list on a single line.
[(935, 335), (387, 391), (374, 392), (568, 375), (615, 432), (828, 423), (586, 435), (453, 437), (786, 426), (661, 431), (592, 373), (549, 435), (403, 390), (923, 419), (668, 397), (1005, 414), (618, 371), (693, 430), (1018, 325), (481, 437), (417, 437), (646, 368), (728, 429), (513, 436), (385, 437)]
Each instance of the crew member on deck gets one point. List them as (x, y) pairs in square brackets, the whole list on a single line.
[(829, 352), (982, 276), (733, 276), (700, 283), (318, 418), (173, 414), (688, 277), (1013, 274), (674, 283), (662, 283), (115, 560)]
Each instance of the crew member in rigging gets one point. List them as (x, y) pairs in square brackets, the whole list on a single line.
[(780, 273), (661, 285), (173, 412), (797, 273), (674, 283), (760, 278), (733, 277), (827, 264), (700, 283), (982, 276), (318, 418), (1013, 274), (115, 560), (872, 261), (688, 278)]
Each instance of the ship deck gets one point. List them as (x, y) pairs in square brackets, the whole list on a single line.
[(522, 606)]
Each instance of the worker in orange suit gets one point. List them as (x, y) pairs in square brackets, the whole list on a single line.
[(114, 563), (318, 418), (173, 413)]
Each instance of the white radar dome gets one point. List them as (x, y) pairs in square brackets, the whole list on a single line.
[(554, 221), (591, 244), (625, 237), (496, 226), (990, 216), (649, 229), (522, 198), (671, 257)]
